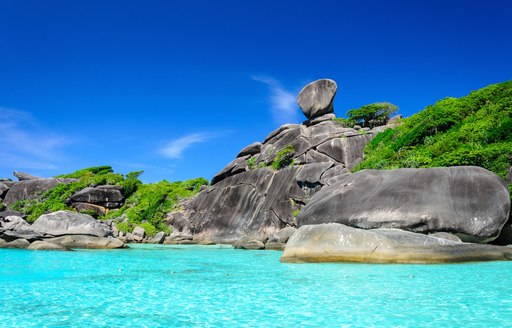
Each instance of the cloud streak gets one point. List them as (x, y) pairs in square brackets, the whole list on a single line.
[(175, 148), (282, 102), (27, 145)]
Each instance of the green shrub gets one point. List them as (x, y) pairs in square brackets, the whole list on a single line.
[(149, 229), (152, 201), (251, 163), (371, 115), (124, 227), (284, 158)]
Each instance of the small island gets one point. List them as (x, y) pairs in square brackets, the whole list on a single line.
[(368, 188)]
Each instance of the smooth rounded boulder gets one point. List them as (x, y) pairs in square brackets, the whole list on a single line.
[(316, 98), (470, 202), (335, 242), (70, 223)]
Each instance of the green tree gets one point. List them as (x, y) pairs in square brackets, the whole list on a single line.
[(372, 115)]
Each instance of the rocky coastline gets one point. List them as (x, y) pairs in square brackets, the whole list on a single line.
[(295, 191)]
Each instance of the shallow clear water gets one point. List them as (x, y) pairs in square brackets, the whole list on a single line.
[(210, 286)]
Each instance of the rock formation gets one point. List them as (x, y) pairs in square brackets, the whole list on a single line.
[(31, 189), (251, 198), (58, 230), (468, 201), (70, 223), (335, 242), (316, 99)]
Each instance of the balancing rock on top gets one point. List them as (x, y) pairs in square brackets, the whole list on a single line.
[(316, 98)]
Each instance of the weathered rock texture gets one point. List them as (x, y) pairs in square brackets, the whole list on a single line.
[(338, 243), (31, 189), (250, 199), (107, 197), (70, 223), (316, 98), (86, 241), (22, 176), (470, 202)]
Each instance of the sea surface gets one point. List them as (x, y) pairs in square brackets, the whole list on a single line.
[(217, 286)]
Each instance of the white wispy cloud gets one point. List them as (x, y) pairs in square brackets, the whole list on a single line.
[(25, 144), (176, 147), (282, 102)]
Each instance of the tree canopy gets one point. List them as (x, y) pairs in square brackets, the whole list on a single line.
[(372, 115)]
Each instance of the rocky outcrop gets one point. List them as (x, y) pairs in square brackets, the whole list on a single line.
[(470, 202), (338, 243), (250, 198), (316, 98), (14, 227), (22, 176), (70, 223), (31, 189), (107, 196)]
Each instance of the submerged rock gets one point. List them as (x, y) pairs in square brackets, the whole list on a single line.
[(335, 242), (468, 201), (250, 245), (41, 245), (85, 241)]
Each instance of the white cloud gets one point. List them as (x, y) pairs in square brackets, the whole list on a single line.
[(27, 145), (175, 148), (282, 102)]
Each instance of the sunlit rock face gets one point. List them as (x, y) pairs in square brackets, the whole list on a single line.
[(470, 202), (333, 242)]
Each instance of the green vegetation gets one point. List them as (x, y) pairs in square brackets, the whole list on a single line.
[(472, 130), (251, 163), (283, 158), (55, 198), (368, 116), (296, 213), (372, 115), (145, 205), (149, 204)]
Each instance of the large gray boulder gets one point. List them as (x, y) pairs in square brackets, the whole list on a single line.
[(338, 243), (106, 196), (31, 189), (469, 201), (70, 223), (316, 98)]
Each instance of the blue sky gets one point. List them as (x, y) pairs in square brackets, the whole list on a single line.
[(177, 88)]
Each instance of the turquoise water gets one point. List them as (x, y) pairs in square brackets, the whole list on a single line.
[(210, 286)]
